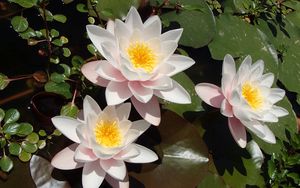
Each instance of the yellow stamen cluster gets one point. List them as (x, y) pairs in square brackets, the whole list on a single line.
[(108, 134), (142, 56), (252, 95)]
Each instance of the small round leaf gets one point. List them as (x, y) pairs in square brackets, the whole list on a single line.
[(2, 114), (14, 148), (24, 156), (11, 128), (41, 144), (19, 23), (33, 138), (29, 147), (6, 163), (70, 110), (4, 81), (24, 129), (11, 115)]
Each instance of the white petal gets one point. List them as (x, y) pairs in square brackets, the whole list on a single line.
[(117, 92), (65, 159), (129, 152), (110, 26), (109, 72), (228, 66), (161, 83), (117, 183), (125, 125), (238, 131), (149, 111), (210, 94), (177, 94), (84, 154), (92, 175), (168, 48), (152, 27), (123, 111), (110, 52), (243, 113), (99, 35), (67, 126), (121, 30), (268, 117), (133, 19), (173, 35), (226, 85), (145, 156), (180, 63), (140, 92), (140, 125), (244, 69), (82, 133), (261, 130), (89, 71), (279, 111), (90, 107), (267, 80), (257, 69), (256, 154), (276, 95), (114, 168)]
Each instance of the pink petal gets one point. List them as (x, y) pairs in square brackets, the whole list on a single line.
[(84, 154), (109, 72), (176, 94), (67, 126), (92, 175), (114, 168), (180, 63), (173, 35), (117, 183), (209, 93), (117, 92), (90, 107), (123, 111), (238, 131), (149, 111), (145, 156), (161, 83), (226, 109), (129, 152), (65, 159), (89, 71), (140, 92)]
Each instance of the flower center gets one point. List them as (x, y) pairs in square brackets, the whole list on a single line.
[(108, 134), (142, 56), (252, 96)]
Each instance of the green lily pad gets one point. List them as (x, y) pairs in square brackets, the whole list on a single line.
[(117, 9), (199, 24), (242, 39), (183, 155)]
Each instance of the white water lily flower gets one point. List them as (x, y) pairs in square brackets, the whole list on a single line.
[(139, 63), (246, 98), (103, 141)]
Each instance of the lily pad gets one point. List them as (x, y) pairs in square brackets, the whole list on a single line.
[(199, 24), (183, 155), (242, 39)]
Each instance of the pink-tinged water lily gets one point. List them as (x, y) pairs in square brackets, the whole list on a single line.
[(246, 98), (103, 141), (139, 63)]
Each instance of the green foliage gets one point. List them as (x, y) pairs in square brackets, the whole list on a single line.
[(108, 9), (4, 81), (60, 18), (197, 20), (25, 3), (70, 110), (19, 23), (6, 164)]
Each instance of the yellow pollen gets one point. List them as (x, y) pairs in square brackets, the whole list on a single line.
[(252, 96), (142, 56), (108, 134)]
